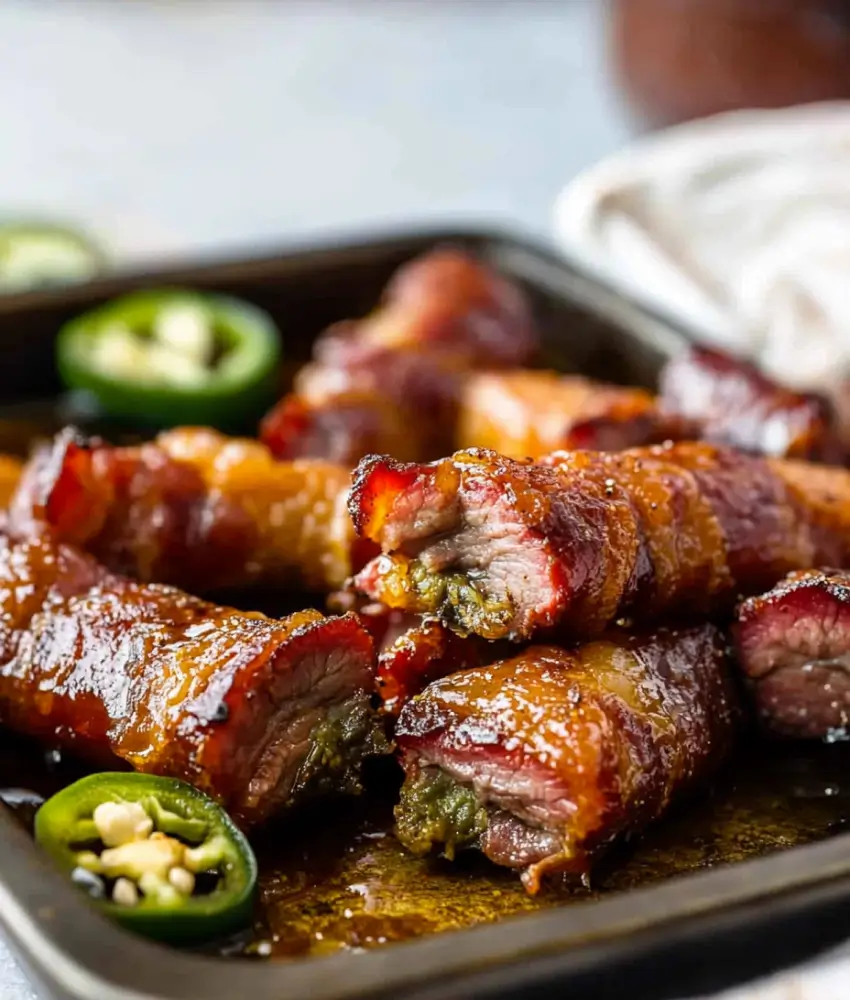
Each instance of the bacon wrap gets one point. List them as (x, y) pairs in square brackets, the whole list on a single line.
[(230, 701), (412, 650), (544, 759), (390, 381), (526, 414), (423, 652), (504, 549), (196, 509), (736, 405)]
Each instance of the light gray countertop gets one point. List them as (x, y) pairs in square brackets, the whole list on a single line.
[(184, 125), (177, 127)]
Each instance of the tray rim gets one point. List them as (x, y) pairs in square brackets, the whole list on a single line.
[(75, 952)]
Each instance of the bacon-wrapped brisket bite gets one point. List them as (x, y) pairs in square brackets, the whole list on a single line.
[(400, 401), (526, 414), (737, 405), (196, 509), (793, 644), (446, 301), (541, 761), (505, 549), (390, 381), (257, 712)]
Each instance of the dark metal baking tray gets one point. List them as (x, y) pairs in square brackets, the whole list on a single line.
[(680, 935)]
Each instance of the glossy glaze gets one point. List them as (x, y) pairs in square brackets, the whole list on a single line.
[(424, 652), (163, 681), (586, 744), (505, 548), (196, 509), (526, 414)]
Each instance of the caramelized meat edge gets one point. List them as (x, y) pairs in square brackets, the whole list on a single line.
[(508, 549), (543, 760), (255, 711)]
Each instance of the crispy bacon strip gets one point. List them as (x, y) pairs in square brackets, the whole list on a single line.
[(255, 711), (542, 760), (390, 382), (423, 652), (526, 414), (737, 405), (504, 549), (196, 509), (412, 650)]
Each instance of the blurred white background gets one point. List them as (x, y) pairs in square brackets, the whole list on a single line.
[(205, 124)]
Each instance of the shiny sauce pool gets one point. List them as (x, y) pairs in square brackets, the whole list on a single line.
[(333, 877)]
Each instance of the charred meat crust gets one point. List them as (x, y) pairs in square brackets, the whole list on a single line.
[(195, 509), (544, 759), (171, 684), (793, 643), (504, 549), (735, 404)]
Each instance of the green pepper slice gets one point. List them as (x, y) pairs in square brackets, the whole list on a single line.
[(169, 357), (40, 254), (160, 857)]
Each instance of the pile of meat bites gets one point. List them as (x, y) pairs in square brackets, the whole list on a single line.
[(555, 601)]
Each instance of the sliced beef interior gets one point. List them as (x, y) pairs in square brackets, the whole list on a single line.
[(255, 711), (506, 549), (542, 760), (793, 644), (735, 404)]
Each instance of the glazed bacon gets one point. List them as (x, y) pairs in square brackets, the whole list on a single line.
[(541, 761), (413, 650), (526, 414), (735, 404), (425, 651), (256, 712), (507, 549), (390, 381), (793, 644), (196, 509)]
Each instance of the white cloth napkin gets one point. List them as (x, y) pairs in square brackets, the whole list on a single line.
[(739, 226)]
